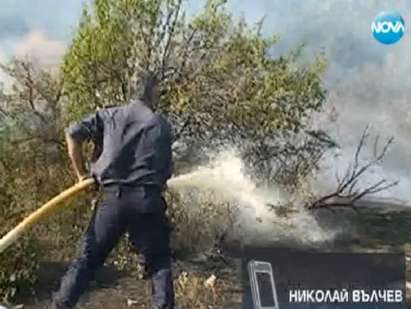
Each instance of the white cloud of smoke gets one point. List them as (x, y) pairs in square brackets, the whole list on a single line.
[(225, 177), (41, 49), (368, 83)]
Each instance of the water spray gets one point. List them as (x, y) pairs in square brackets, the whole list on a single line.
[(226, 179)]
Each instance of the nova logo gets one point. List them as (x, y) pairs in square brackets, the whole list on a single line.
[(388, 27)]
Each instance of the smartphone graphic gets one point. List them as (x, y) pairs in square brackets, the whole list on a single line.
[(262, 285)]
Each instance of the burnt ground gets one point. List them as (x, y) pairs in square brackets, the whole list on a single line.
[(115, 289), (370, 230)]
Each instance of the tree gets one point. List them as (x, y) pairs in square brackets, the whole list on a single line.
[(32, 167), (31, 111), (220, 84), (348, 192)]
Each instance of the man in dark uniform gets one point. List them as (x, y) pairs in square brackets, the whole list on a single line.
[(132, 171)]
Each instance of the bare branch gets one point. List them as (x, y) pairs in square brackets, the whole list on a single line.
[(346, 193), (171, 30)]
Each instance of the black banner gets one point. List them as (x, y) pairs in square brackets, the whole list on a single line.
[(285, 279)]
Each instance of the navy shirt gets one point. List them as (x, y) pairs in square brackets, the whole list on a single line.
[(135, 143)]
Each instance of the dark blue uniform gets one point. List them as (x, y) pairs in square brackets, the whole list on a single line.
[(132, 169)]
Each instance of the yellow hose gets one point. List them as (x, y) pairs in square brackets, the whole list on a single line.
[(41, 213)]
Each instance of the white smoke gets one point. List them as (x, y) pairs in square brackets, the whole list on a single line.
[(367, 82), (38, 48), (226, 178)]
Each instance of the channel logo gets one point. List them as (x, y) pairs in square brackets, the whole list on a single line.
[(388, 27)]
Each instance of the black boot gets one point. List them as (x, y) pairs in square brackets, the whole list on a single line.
[(162, 289), (59, 305)]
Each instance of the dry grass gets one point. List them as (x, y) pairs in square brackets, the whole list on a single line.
[(196, 286), (206, 291)]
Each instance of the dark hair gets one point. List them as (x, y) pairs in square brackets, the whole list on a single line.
[(145, 85)]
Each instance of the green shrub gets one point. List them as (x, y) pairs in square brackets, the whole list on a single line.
[(27, 180), (18, 268), (198, 221)]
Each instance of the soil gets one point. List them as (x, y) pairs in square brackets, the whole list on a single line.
[(114, 289), (385, 228)]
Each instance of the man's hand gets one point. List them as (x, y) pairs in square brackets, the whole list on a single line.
[(83, 177), (75, 152)]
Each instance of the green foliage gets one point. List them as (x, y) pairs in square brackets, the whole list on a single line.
[(197, 211), (115, 41), (18, 267), (219, 69), (32, 169), (27, 179), (220, 82)]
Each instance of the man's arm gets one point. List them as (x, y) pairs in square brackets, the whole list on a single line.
[(170, 169), (87, 129), (75, 151)]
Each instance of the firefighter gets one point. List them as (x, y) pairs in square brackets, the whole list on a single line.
[(131, 172)]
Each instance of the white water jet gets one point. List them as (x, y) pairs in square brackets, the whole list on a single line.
[(226, 179)]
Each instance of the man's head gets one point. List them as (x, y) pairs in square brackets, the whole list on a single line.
[(148, 88)]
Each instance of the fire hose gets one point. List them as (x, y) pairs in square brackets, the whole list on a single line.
[(47, 209)]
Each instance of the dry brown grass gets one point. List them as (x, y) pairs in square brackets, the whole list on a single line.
[(199, 290)]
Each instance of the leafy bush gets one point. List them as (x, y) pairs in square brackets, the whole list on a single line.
[(18, 267), (27, 179), (197, 211), (219, 83)]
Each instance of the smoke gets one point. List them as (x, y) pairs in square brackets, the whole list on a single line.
[(56, 19), (40, 49), (10, 26), (225, 177), (36, 30), (35, 47), (367, 82)]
